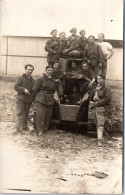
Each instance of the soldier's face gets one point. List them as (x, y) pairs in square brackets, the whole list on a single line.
[(56, 66), (62, 36), (73, 33), (83, 34), (100, 38), (49, 71), (84, 66), (100, 80), (54, 34), (91, 40), (29, 70)]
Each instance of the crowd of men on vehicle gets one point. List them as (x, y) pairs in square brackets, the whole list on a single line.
[(91, 72)]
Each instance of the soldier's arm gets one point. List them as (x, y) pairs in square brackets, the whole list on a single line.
[(37, 85), (18, 86), (48, 47)]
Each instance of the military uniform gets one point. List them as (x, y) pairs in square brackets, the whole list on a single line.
[(93, 53), (45, 88), (73, 42), (23, 101), (101, 97), (57, 74), (51, 47), (82, 44), (88, 75), (62, 46)]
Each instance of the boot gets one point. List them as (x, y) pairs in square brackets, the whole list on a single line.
[(100, 135)]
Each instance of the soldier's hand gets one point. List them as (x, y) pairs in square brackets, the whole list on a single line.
[(90, 85), (88, 61), (26, 91)]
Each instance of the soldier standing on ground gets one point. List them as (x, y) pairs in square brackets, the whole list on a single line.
[(99, 103), (93, 55), (107, 50), (44, 88), (24, 97)]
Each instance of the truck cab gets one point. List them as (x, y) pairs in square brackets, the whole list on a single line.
[(74, 109)]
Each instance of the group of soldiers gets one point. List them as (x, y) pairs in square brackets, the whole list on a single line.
[(92, 70), (95, 54)]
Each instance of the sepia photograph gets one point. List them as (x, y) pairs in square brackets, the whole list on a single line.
[(61, 96)]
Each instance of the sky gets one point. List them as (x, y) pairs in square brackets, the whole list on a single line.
[(39, 17)]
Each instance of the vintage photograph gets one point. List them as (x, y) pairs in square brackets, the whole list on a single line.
[(61, 96)]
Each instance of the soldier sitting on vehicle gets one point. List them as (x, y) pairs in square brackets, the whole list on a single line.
[(63, 44), (73, 71), (88, 77), (82, 41), (73, 44), (51, 47), (57, 73)]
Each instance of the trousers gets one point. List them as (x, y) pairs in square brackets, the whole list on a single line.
[(22, 112), (43, 116)]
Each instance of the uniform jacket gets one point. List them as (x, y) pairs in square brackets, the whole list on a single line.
[(104, 95), (24, 82), (93, 53), (88, 73), (44, 88), (82, 43), (52, 45), (73, 42), (57, 75), (62, 46)]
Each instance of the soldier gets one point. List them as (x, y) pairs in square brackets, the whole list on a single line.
[(73, 41), (82, 41), (24, 97), (45, 88), (51, 47), (100, 101), (107, 51), (88, 76), (56, 73), (63, 44), (93, 55)]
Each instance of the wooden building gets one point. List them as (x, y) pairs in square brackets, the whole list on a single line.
[(16, 51)]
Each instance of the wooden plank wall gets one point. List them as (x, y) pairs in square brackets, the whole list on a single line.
[(18, 51)]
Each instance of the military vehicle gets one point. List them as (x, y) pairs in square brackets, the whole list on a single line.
[(73, 111)]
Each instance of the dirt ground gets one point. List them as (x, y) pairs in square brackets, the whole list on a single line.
[(59, 162)]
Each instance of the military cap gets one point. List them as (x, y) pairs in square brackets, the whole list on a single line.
[(53, 31), (101, 75), (62, 33), (91, 36), (82, 31), (73, 30)]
